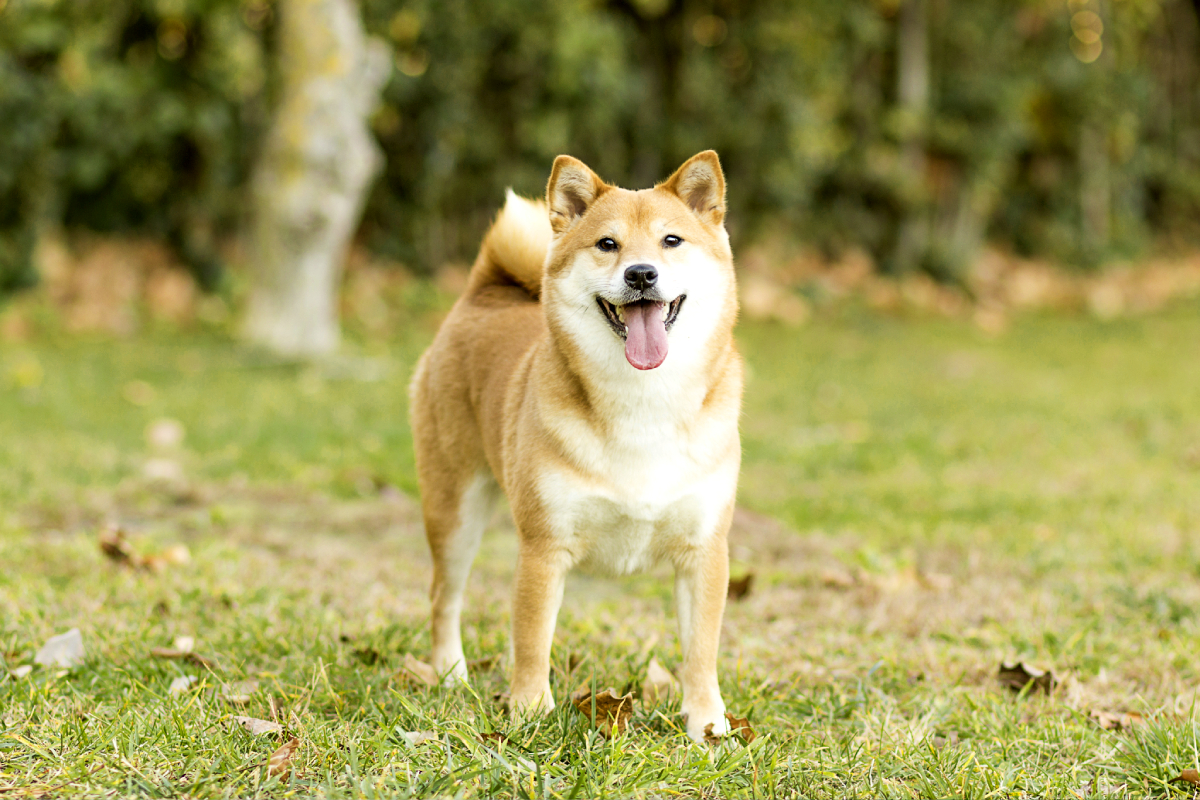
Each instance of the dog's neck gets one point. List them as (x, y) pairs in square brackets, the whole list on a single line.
[(613, 392)]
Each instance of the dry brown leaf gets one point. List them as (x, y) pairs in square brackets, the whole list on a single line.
[(739, 726), (1191, 776), (419, 671), (660, 684), (1017, 676), (493, 736), (120, 550), (1117, 721), (739, 588), (281, 759), (174, 555), (187, 655), (613, 711), (258, 726)]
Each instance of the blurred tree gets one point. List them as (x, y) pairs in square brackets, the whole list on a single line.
[(1068, 129), (312, 177), (127, 115)]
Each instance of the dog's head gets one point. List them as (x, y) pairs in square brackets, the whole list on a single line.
[(646, 273)]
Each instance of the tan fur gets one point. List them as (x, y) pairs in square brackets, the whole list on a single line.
[(526, 390)]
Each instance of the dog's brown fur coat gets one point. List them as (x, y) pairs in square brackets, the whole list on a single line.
[(526, 390)]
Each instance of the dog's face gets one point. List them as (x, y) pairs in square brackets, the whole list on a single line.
[(638, 276)]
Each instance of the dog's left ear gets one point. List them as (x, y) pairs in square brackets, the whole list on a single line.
[(700, 184)]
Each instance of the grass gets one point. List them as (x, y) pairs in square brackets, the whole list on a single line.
[(920, 503)]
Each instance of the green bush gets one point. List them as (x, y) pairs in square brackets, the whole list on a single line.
[(144, 115)]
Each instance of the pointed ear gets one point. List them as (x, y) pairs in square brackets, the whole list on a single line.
[(572, 188), (700, 184)]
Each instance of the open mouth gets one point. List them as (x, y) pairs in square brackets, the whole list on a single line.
[(616, 315), (643, 325)]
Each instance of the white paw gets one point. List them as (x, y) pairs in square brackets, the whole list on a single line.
[(704, 725), (530, 704), (453, 670)]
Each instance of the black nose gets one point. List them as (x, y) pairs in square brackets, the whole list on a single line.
[(641, 276)]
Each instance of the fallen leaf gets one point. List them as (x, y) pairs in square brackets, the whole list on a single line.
[(21, 671), (416, 738), (1191, 776), (1017, 676), (612, 712), (173, 556), (64, 650), (258, 726), (281, 759), (739, 726), (1118, 721), (739, 588), (118, 549), (420, 671), (493, 736), (181, 684), (187, 655), (660, 684), (239, 692)]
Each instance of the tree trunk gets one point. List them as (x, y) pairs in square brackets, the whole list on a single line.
[(311, 180), (912, 96)]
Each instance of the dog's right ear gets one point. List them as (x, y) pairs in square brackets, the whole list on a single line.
[(572, 188)]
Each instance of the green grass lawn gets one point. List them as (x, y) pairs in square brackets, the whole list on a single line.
[(920, 502)]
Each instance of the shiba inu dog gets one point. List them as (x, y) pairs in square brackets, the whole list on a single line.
[(589, 372)]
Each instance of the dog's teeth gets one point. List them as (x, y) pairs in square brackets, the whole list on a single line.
[(621, 313)]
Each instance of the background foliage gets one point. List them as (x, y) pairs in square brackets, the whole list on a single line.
[(1048, 130)]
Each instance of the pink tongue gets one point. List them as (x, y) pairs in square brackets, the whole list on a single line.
[(646, 342)]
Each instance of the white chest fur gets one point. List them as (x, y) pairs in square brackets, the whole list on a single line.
[(647, 493)]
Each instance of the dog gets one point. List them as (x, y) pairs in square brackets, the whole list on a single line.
[(589, 372)]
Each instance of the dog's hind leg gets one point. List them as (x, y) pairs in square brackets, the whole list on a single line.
[(454, 523)]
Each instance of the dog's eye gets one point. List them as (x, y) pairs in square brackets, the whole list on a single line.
[(607, 245), (672, 241)]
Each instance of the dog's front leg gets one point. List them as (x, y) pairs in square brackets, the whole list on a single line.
[(541, 574), (701, 585)]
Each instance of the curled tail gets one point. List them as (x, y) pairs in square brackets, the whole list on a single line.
[(514, 249)]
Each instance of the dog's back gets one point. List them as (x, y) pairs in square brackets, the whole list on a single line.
[(458, 386)]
